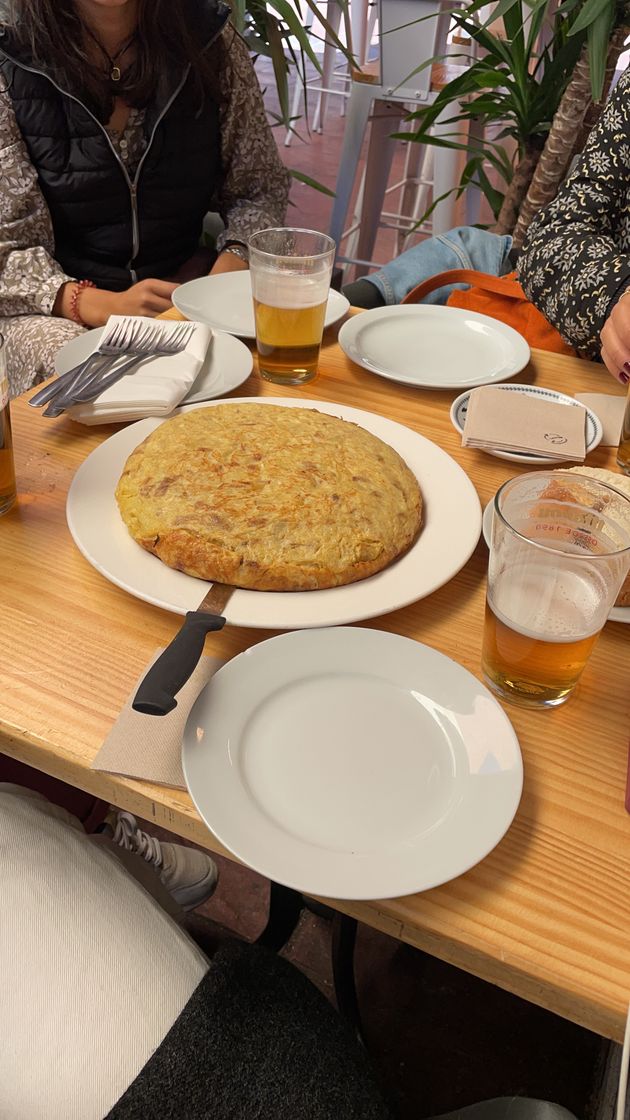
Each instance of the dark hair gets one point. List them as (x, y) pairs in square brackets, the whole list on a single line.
[(52, 33)]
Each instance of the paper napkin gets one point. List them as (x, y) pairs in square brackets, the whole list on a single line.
[(610, 409), (504, 421), (150, 747), (154, 388)]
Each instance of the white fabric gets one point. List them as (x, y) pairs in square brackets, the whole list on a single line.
[(154, 388), (94, 973)]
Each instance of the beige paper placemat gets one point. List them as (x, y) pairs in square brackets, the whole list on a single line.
[(610, 409), (150, 747)]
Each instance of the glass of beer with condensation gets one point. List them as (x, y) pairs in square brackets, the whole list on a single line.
[(290, 274), (559, 554)]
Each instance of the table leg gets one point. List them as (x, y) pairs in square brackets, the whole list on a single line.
[(285, 907), (344, 933)]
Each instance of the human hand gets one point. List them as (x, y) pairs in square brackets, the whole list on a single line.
[(615, 340), (95, 305), (147, 297), (228, 262)]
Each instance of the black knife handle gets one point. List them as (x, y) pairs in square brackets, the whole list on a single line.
[(156, 693)]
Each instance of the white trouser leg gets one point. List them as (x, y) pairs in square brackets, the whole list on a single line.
[(98, 971)]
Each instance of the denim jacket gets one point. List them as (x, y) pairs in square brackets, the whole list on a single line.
[(463, 247)]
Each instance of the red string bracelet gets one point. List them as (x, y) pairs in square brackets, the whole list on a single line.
[(74, 301)]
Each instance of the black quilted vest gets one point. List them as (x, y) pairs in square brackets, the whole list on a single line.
[(108, 228)]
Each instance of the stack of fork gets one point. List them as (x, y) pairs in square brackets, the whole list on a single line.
[(126, 343)]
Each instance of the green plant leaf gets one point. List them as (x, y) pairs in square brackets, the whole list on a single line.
[(590, 11), (598, 37), (288, 13), (302, 178), (280, 66)]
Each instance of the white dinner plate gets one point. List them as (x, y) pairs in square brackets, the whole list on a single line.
[(434, 347), (617, 614), (227, 365), (451, 528), (225, 303), (594, 430), (352, 763)]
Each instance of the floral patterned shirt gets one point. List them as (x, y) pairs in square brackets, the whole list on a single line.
[(576, 260), (254, 188)]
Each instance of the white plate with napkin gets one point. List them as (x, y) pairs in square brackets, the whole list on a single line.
[(593, 427), (210, 366)]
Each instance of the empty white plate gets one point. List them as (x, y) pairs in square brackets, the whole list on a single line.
[(434, 347), (227, 365), (352, 763), (593, 435), (225, 303)]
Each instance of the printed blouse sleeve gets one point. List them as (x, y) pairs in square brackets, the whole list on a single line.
[(574, 262), (30, 277), (255, 188)]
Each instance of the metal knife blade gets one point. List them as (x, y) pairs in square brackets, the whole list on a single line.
[(217, 598)]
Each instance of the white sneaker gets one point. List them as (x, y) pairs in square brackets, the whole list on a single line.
[(189, 875)]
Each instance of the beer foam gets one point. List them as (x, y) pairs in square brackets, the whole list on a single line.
[(550, 605), (290, 290)]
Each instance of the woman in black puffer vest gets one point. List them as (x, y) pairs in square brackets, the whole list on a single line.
[(122, 124)]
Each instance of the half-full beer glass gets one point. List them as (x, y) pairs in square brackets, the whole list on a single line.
[(290, 274), (560, 551)]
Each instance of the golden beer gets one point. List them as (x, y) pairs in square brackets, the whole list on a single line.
[(540, 634), (7, 468), (288, 340), (623, 454)]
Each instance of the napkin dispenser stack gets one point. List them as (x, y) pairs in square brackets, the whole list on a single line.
[(504, 421)]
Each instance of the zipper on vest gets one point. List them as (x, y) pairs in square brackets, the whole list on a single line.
[(133, 187)]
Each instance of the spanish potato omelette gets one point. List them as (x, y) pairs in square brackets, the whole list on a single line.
[(271, 499)]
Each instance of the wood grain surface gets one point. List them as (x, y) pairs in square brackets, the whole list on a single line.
[(547, 914)]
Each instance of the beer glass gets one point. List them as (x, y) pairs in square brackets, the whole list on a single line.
[(7, 469), (559, 554), (290, 273), (623, 454)]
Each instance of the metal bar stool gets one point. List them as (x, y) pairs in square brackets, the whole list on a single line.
[(411, 32), (363, 15)]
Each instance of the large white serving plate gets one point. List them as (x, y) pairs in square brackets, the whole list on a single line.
[(431, 346), (451, 529), (227, 365), (225, 302), (352, 763)]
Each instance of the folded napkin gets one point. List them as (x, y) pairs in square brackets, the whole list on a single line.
[(610, 409), (150, 747), (497, 420), (154, 388)]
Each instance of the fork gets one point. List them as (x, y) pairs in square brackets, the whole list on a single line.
[(173, 343), (138, 341), (115, 342)]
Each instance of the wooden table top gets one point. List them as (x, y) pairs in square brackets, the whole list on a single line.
[(547, 914)]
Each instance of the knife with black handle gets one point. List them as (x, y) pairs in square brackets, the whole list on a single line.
[(157, 691)]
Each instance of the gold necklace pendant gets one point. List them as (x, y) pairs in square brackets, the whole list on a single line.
[(115, 74)]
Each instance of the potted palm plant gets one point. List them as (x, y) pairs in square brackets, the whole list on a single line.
[(531, 53)]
